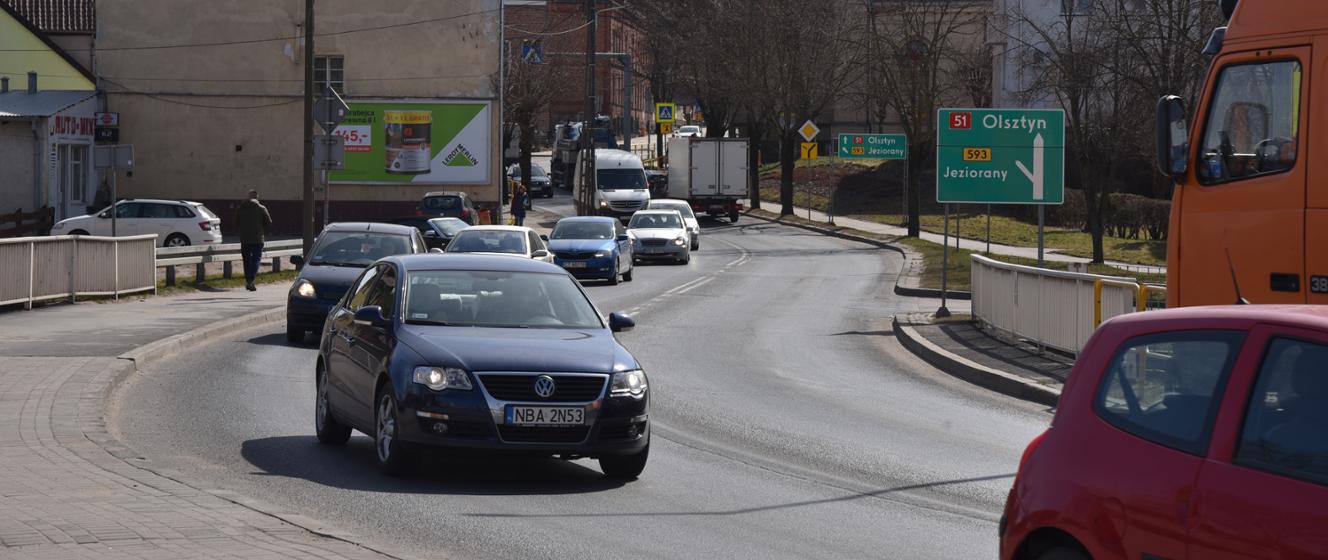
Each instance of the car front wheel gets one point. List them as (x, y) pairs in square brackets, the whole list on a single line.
[(394, 458), (613, 275), (326, 426), (625, 467)]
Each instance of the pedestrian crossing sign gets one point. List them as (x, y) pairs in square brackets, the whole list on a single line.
[(664, 112)]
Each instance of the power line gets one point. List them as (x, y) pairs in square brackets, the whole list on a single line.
[(274, 39), (566, 31), (159, 97)]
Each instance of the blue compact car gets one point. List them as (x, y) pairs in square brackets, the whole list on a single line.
[(593, 248), (481, 352), (340, 254)]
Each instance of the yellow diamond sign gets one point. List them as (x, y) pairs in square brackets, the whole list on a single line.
[(809, 130)]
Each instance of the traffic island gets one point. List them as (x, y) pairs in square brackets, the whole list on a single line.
[(958, 347)]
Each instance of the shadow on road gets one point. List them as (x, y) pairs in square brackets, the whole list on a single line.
[(352, 467)]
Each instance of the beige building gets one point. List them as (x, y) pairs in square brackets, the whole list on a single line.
[(210, 95)]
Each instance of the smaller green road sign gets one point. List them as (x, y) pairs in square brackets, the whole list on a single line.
[(1000, 156), (873, 146)]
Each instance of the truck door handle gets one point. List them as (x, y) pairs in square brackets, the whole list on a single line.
[(1284, 282)]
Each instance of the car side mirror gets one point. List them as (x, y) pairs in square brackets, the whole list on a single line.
[(431, 234), (372, 316), (545, 238), (297, 260), (1173, 143), (436, 250), (539, 254), (619, 322)]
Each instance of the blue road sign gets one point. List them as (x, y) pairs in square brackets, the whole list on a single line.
[(532, 53)]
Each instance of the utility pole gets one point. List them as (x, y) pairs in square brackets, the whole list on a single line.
[(307, 215), (587, 136)]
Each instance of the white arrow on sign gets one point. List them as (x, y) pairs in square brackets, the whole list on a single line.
[(1036, 175)]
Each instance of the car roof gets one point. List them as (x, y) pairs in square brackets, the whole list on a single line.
[(668, 200), (446, 193), (499, 228), (595, 219), (472, 261), (609, 155), (375, 227), (1305, 316), (651, 212), (160, 201)]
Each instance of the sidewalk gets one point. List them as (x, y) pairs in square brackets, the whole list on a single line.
[(1049, 255), (70, 490)]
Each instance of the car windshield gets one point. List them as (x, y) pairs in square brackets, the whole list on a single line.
[(469, 298), (610, 179), (421, 224), (655, 221), (681, 207), (448, 226), (357, 248), (689, 129), (442, 203), (535, 171), (582, 230), (488, 241)]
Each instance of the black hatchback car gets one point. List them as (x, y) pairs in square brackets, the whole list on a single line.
[(449, 204), (483, 352), (340, 253)]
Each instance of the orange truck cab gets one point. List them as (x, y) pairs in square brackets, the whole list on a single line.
[(1249, 217)]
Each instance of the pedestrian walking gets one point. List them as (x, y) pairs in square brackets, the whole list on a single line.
[(253, 220), (518, 203)]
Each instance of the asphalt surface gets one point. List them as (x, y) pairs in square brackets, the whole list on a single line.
[(788, 424)]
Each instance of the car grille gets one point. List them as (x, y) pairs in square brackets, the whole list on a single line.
[(331, 294), (567, 388), (543, 434), (654, 242), (575, 256), (627, 204)]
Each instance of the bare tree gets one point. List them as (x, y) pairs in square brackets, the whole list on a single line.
[(529, 89)]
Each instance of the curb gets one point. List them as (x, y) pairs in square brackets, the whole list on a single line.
[(93, 409), (970, 371), (906, 253)]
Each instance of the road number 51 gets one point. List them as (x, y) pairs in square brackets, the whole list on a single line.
[(961, 120)]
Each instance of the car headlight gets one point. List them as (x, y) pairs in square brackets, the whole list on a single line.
[(439, 379), (58, 225), (601, 254), (679, 241), (628, 384), (603, 204), (304, 288)]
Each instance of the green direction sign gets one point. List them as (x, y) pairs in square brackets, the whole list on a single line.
[(873, 146), (1000, 156)]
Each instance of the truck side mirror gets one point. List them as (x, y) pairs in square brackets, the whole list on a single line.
[(1173, 143)]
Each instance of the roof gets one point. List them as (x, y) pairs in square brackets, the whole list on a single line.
[(21, 104), (1256, 18), (605, 219), (57, 16), (619, 156), (445, 193), (521, 229), (471, 261), (39, 10), (371, 227), (1306, 316)]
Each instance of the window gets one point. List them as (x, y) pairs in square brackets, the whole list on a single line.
[(361, 292), (73, 172), (157, 211), (182, 211), (536, 244), (1253, 122), (130, 210), (1166, 388), (1286, 424), (383, 293), (329, 71), (474, 298)]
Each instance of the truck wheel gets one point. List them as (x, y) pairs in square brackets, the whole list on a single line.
[(733, 215)]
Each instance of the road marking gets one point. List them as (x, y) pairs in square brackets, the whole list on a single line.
[(696, 285), (682, 288)]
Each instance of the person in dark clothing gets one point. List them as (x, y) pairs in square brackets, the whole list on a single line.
[(253, 220), (518, 203)]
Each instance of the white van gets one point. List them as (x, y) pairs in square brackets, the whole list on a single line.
[(620, 184)]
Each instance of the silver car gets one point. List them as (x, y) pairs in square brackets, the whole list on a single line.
[(660, 234), (688, 217)]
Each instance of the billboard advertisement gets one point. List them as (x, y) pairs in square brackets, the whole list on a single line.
[(426, 142)]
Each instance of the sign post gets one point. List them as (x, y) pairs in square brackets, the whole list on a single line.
[(1000, 156), (853, 145), (113, 158)]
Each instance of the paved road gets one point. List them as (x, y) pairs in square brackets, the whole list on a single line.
[(788, 425)]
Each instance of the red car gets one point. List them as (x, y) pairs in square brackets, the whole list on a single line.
[(1187, 433)]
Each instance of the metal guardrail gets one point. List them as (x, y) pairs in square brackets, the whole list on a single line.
[(1054, 308), (226, 253), (67, 266)]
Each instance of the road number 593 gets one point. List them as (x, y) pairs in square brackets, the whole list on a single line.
[(977, 154)]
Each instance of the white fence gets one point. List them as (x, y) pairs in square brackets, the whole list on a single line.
[(1056, 309), (66, 266), (200, 255)]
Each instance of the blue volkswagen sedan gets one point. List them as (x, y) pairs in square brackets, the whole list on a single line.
[(340, 254), (593, 247), (482, 352)]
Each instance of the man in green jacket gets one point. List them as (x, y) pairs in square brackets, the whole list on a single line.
[(252, 219)]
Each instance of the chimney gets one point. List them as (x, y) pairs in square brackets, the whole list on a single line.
[(4, 84), (32, 82)]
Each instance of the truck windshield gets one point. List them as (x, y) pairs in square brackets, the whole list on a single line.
[(1252, 122), (610, 179)]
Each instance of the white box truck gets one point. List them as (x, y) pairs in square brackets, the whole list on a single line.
[(709, 173)]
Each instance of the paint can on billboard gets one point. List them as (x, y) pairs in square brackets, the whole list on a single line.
[(407, 145)]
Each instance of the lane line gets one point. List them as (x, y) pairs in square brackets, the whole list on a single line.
[(696, 285)]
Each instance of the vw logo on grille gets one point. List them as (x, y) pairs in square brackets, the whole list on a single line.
[(544, 386)]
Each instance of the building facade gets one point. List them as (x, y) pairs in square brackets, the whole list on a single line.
[(210, 95)]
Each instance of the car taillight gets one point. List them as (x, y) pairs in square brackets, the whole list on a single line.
[(419, 212), (465, 213), (205, 226)]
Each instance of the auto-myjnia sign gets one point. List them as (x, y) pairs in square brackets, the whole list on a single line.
[(1000, 156)]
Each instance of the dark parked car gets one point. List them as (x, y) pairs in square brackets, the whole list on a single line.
[(1198, 432), (340, 254), (437, 232), (540, 183), (658, 181), (484, 352), (449, 204), (593, 247)]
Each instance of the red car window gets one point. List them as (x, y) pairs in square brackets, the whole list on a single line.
[(1166, 388), (1286, 423)]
